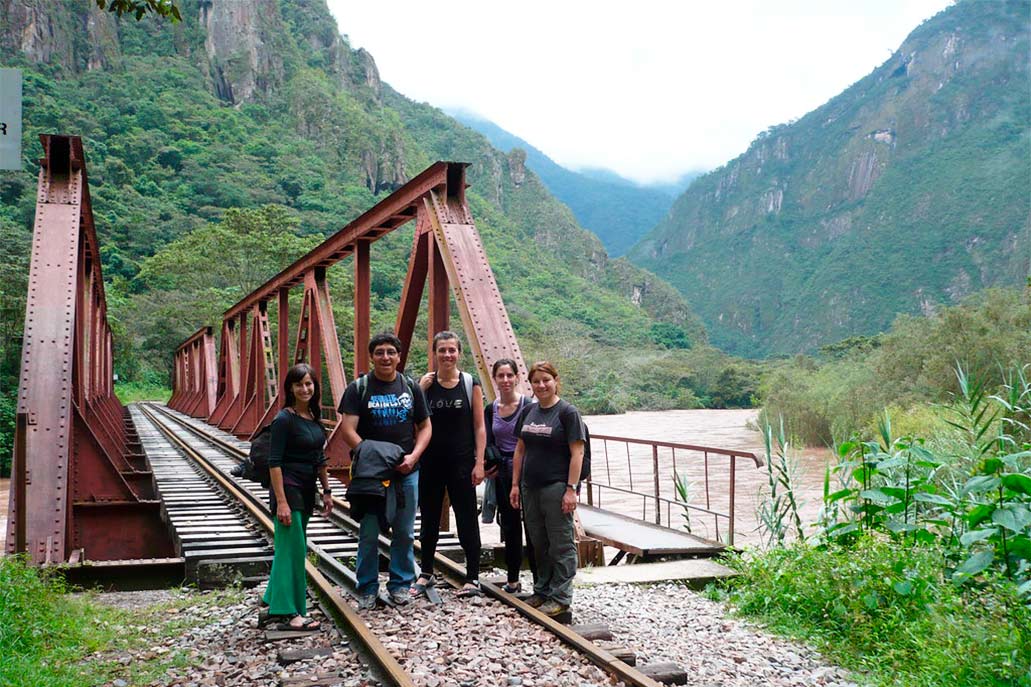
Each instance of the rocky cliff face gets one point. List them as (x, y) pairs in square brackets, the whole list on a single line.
[(82, 40), (239, 46), (876, 203)]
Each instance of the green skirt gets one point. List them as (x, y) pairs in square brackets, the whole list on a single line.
[(288, 583)]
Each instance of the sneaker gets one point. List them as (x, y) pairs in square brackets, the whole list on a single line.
[(534, 600), (366, 602), (399, 596), (552, 608)]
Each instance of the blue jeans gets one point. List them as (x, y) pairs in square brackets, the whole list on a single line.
[(402, 549)]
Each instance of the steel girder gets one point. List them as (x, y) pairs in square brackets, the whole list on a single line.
[(81, 484), (196, 378), (447, 255)]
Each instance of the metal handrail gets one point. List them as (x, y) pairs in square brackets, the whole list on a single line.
[(655, 496)]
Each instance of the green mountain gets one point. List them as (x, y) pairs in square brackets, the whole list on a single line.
[(908, 191), (616, 209), (253, 103)]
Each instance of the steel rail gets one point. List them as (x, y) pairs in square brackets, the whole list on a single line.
[(454, 574), (384, 660)]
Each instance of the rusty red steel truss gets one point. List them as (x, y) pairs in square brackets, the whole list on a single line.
[(81, 485), (447, 259)]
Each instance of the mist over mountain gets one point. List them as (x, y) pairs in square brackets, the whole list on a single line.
[(618, 210), (671, 188), (908, 191)]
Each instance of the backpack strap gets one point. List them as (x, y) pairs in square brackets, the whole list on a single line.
[(467, 382)]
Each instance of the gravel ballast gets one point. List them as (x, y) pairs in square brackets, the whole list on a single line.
[(481, 642), (668, 622)]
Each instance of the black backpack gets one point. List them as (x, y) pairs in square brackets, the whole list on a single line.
[(255, 466), (585, 467)]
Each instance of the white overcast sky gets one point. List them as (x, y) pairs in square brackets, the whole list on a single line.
[(647, 88)]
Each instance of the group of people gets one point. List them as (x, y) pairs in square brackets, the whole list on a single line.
[(444, 431)]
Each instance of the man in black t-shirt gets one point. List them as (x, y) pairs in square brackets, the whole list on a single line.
[(386, 406)]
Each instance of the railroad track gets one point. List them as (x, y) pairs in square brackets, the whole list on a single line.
[(331, 538)]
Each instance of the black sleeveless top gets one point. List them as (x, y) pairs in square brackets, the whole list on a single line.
[(452, 442)]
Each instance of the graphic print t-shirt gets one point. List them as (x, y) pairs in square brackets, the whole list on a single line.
[(546, 433), (390, 412)]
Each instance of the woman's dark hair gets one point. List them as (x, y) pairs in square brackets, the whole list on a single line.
[(296, 374), (446, 335), (500, 362)]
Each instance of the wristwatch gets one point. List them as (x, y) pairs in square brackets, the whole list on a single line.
[(571, 486), (327, 492)]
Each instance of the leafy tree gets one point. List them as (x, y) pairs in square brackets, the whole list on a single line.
[(669, 335), (162, 8), (203, 274), (909, 365), (234, 256)]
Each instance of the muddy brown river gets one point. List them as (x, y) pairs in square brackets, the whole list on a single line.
[(728, 429)]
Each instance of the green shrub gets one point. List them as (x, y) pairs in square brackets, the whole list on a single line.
[(889, 611), (131, 392)]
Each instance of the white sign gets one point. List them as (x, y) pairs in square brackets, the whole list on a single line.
[(10, 119)]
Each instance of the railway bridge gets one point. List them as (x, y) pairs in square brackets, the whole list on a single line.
[(86, 485)]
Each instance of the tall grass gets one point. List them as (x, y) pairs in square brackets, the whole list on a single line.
[(43, 632), (889, 612)]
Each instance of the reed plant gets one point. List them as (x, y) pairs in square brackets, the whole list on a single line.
[(778, 508), (682, 487)]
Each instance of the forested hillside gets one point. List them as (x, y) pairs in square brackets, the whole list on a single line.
[(222, 147), (905, 193), (617, 210)]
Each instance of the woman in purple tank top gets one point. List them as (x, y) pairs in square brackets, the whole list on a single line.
[(501, 417)]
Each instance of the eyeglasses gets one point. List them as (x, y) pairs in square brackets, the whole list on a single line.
[(384, 353)]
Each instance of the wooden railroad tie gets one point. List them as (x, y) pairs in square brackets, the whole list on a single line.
[(619, 651), (288, 656), (666, 673), (317, 680)]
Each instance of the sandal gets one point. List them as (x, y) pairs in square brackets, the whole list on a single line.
[(308, 625), (422, 584), (512, 587), (265, 618), (470, 590)]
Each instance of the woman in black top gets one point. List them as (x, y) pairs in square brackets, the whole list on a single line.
[(453, 460), (296, 457), (545, 472)]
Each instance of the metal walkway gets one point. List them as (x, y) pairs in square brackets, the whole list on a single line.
[(641, 539)]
